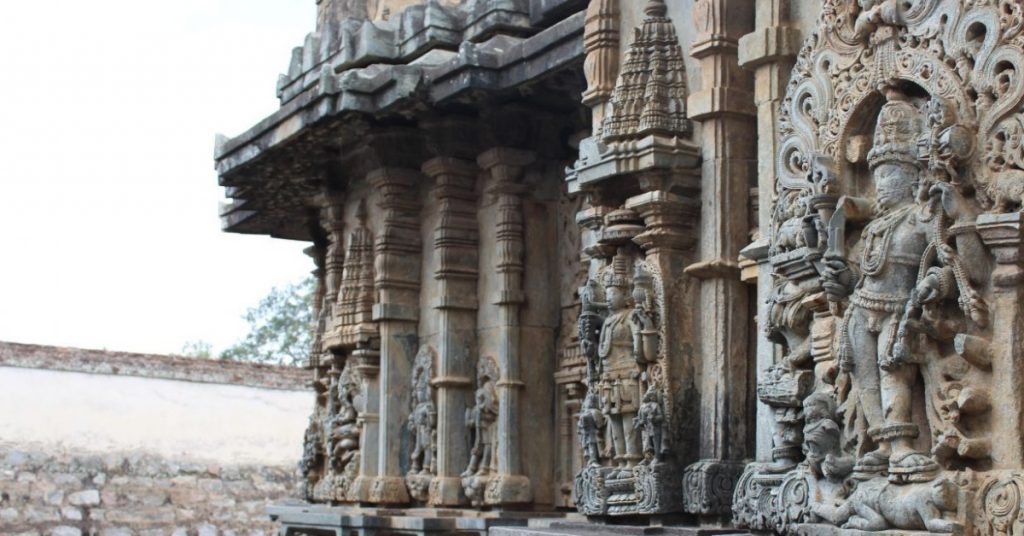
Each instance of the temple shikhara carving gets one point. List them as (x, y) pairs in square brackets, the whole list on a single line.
[(703, 266)]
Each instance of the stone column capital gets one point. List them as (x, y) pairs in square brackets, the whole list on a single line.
[(1003, 234), (668, 220), (449, 168), (505, 163)]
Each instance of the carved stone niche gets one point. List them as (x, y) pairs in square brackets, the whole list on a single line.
[(635, 423), (895, 245)]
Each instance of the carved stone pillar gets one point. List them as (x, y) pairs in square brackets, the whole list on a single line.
[(724, 108), (509, 486), (397, 267), (456, 242), (1004, 236)]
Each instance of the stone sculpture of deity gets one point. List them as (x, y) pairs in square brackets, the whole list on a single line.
[(482, 419), (885, 284), (628, 341), (589, 427), (651, 420), (343, 429), (423, 419)]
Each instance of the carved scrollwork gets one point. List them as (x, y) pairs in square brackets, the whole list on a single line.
[(1000, 508)]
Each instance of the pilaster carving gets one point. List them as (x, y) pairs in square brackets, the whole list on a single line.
[(895, 247), (630, 426)]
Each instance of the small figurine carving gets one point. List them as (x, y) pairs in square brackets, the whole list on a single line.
[(482, 419), (343, 428), (423, 420), (589, 427), (651, 420), (312, 455)]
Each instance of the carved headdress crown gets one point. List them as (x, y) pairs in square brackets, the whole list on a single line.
[(616, 277), (896, 133)]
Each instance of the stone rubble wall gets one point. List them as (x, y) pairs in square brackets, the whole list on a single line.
[(114, 444), (127, 494)]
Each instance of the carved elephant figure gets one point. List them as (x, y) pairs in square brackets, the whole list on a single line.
[(879, 505)]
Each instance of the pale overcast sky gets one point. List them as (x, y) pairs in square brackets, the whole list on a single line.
[(109, 236)]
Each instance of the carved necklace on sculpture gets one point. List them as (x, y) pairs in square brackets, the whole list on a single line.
[(877, 239)]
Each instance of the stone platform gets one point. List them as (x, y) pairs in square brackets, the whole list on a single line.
[(323, 520), (546, 527)]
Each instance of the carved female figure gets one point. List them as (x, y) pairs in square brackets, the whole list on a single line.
[(482, 419), (589, 426), (422, 423)]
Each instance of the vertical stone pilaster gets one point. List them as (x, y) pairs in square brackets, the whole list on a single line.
[(457, 243), (332, 211), (724, 107), (318, 253), (333, 223), (367, 365), (769, 52), (397, 271), (601, 66), (1004, 236), (505, 167)]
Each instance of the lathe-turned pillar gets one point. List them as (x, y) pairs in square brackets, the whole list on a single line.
[(456, 242), (495, 474), (397, 281)]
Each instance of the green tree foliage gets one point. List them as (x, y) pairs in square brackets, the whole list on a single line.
[(197, 348), (280, 327)]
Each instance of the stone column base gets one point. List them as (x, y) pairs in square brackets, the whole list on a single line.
[(497, 489), (446, 491), (708, 486), (361, 488), (645, 490), (389, 490)]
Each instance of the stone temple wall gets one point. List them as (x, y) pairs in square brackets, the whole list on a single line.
[(103, 443)]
